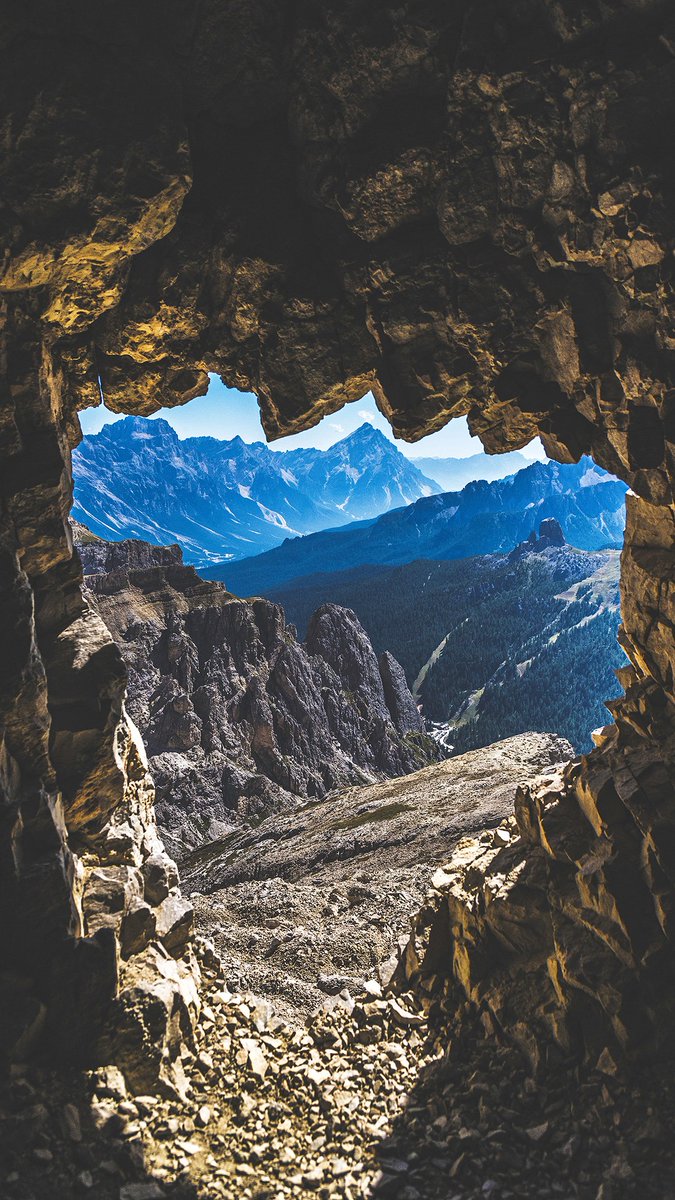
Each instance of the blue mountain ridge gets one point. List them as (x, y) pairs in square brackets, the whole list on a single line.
[(225, 500), (483, 518)]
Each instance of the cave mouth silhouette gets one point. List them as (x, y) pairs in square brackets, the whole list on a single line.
[(469, 216)]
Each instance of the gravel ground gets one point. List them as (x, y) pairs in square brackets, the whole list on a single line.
[(312, 901), (367, 1100), (362, 1095)]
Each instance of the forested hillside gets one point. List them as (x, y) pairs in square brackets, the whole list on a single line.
[(494, 645)]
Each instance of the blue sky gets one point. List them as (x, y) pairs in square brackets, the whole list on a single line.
[(224, 412)]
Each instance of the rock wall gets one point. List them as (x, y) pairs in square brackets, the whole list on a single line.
[(467, 208), (95, 938), (240, 719), (559, 929)]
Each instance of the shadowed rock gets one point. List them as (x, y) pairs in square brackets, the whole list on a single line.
[(470, 216)]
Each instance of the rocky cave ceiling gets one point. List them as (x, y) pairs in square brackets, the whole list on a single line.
[(466, 206)]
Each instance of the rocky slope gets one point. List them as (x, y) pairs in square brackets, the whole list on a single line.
[(364, 1101), (317, 900), (226, 500), (483, 518), (238, 717)]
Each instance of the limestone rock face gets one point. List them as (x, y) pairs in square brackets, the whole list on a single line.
[(551, 532), (399, 700), (99, 557), (471, 212), (239, 718)]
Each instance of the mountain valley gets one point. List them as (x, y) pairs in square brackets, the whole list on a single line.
[(492, 645)]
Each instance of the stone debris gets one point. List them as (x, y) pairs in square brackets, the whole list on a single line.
[(256, 1059), (353, 1105), (310, 909)]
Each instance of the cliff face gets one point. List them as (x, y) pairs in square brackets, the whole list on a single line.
[(468, 209), (239, 719)]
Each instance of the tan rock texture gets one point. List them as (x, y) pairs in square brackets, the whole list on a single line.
[(468, 208)]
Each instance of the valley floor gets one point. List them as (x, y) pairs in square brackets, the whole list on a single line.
[(314, 901)]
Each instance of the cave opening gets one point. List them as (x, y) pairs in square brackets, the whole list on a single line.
[(298, 717), (472, 219)]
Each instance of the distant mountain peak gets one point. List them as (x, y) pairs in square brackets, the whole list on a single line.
[(551, 536), (131, 427), (370, 433)]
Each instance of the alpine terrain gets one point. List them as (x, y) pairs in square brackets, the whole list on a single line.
[(491, 645), (379, 972), (238, 717), (225, 500), (482, 518)]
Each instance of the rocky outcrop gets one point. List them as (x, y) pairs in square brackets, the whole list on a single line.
[(238, 717), (95, 933), (550, 534), (470, 212), (99, 557), (559, 933), (398, 698)]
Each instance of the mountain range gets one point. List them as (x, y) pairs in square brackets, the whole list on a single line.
[(225, 500), (482, 518), (222, 501)]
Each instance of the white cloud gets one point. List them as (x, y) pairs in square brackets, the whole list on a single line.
[(366, 416), (336, 426)]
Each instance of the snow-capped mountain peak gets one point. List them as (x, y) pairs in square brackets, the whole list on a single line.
[(226, 500)]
